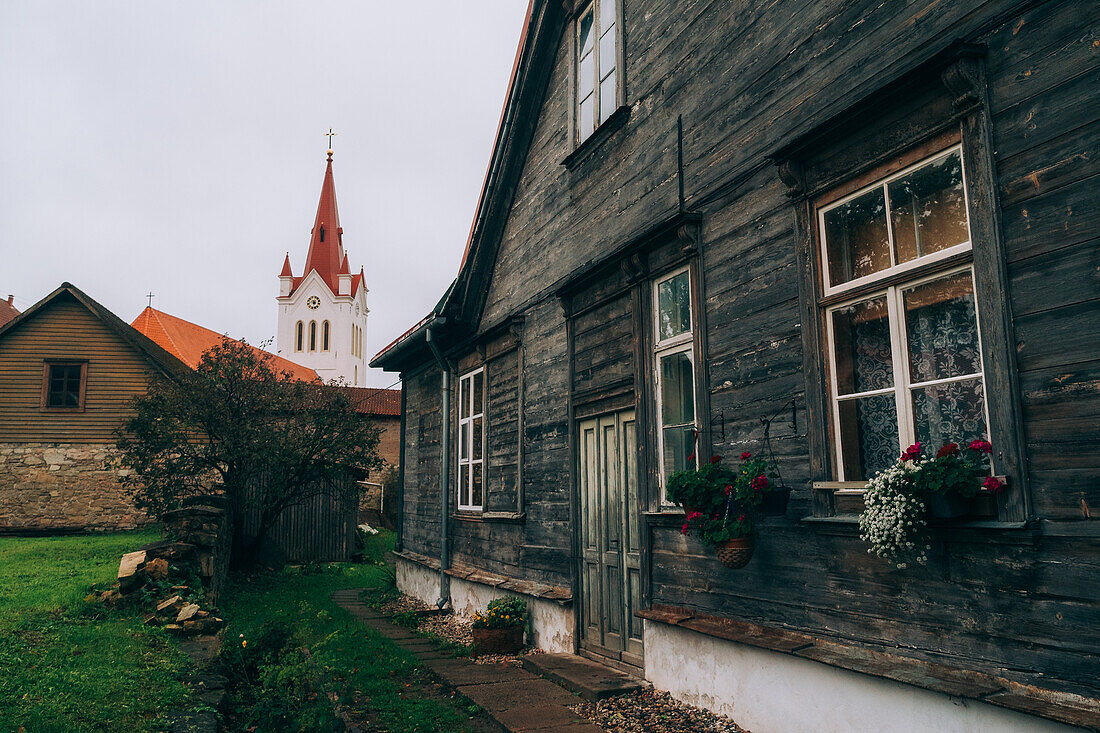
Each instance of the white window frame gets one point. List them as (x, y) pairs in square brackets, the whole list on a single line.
[(466, 427), (594, 7), (683, 342), (895, 303), (895, 267)]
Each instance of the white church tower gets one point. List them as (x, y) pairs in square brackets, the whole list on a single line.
[(323, 313)]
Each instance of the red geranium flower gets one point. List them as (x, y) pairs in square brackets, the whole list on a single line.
[(980, 446), (911, 453), (741, 518), (949, 449), (993, 484), (746, 456), (694, 515), (684, 529), (715, 459), (759, 483), (729, 490)]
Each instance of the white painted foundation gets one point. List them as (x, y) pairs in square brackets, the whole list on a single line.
[(551, 626), (771, 692)]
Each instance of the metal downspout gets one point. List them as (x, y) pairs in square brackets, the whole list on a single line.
[(444, 471)]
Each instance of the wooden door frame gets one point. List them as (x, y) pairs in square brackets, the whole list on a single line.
[(601, 652)]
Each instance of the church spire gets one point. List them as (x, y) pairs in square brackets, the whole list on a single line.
[(325, 248)]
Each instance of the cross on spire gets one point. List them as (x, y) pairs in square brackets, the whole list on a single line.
[(150, 296), (330, 135)]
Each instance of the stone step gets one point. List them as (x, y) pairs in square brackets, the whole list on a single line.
[(591, 680)]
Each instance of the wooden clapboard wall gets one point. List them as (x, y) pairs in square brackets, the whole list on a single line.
[(65, 329)]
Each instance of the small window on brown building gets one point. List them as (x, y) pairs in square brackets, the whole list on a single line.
[(63, 385)]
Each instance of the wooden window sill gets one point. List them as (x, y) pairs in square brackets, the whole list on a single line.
[(852, 520), (590, 144), (1066, 707), (498, 517)]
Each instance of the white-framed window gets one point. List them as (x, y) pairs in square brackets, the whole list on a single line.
[(324, 336), (471, 440), (904, 352), (313, 335), (674, 373), (597, 72), (298, 337)]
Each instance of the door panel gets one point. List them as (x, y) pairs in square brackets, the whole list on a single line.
[(610, 536)]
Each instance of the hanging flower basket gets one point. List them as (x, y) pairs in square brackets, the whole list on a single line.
[(736, 553)]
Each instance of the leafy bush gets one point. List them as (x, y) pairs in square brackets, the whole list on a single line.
[(502, 613)]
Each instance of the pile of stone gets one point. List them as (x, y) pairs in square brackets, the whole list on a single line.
[(149, 569), (196, 554)]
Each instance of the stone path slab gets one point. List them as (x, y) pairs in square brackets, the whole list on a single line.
[(515, 698), (587, 678)]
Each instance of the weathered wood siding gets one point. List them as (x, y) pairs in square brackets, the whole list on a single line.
[(117, 374), (747, 78)]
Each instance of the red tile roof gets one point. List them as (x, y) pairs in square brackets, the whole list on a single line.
[(7, 310), (375, 401), (188, 341)]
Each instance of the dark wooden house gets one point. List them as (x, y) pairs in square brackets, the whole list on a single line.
[(876, 224)]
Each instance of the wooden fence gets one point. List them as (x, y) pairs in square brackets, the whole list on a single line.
[(321, 529)]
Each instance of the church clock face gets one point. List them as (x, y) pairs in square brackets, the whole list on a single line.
[(313, 303)]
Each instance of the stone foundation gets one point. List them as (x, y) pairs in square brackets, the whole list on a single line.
[(551, 626), (64, 486)]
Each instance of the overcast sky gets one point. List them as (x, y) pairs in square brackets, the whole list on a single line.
[(177, 148)]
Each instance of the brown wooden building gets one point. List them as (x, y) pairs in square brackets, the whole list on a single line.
[(879, 225), (68, 370)]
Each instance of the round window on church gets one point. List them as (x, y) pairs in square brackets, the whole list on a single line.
[(313, 303)]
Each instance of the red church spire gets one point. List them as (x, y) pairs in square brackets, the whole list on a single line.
[(287, 272), (325, 248), (345, 268)]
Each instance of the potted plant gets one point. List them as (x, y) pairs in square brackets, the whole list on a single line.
[(499, 630), (700, 490), (952, 477), (899, 500), (754, 478)]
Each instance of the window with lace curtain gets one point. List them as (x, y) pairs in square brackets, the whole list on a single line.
[(904, 354)]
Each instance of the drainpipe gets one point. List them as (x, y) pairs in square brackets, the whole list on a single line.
[(445, 467)]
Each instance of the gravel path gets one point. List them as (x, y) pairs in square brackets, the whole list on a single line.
[(651, 711)]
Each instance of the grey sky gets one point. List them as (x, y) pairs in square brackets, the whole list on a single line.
[(177, 147)]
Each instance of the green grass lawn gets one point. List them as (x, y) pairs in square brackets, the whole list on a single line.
[(66, 665), (377, 674)]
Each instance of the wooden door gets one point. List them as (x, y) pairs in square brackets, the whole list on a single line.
[(610, 537)]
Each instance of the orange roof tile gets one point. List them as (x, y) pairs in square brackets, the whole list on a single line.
[(188, 341)]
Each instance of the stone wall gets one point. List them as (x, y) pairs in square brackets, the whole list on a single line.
[(64, 486)]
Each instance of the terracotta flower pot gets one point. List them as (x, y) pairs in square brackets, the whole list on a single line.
[(736, 553), (507, 640), (947, 506)]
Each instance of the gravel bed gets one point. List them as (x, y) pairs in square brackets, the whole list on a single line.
[(448, 627), (652, 711)]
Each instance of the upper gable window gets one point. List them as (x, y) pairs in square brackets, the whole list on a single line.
[(597, 74), (63, 387)]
